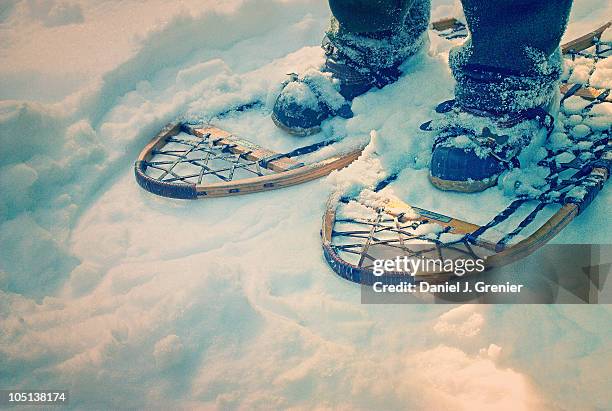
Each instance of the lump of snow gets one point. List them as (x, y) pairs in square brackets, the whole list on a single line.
[(581, 131), (559, 140), (600, 117), (602, 109), (575, 104), (372, 199), (428, 230), (567, 68), (298, 93), (574, 119), (354, 209), (492, 352), (463, 321), (324, 85), (598, 123), (580, 74), (577, 192), (15, 184), (169, 351), (565, 157), (527, 181), (536, 154), (602, 78), (462, 142), (560, 120)]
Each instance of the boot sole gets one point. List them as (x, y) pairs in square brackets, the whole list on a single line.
[(301, 132), (463, 186)]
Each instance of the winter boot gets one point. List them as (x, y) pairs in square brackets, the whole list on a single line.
[(505, 72), (495, 114), (354, 64), (472, 148)]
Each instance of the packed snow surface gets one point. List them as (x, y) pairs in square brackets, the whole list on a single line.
[(131, 300)]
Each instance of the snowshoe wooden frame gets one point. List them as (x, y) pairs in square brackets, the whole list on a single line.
[(498, 254), (285, 171), (365, 275)]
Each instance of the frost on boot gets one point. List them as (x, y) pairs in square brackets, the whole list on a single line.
[(473, 148), (355, 63)]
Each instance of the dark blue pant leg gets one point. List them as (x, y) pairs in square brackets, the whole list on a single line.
[(511, 60), (378, 33), (367, 16)]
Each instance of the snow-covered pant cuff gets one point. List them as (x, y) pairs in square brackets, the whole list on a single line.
[(502, 91), (386, 48)]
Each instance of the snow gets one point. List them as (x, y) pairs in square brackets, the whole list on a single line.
[(169, 351), (131, 300), (559, 140), (580, 131), (602, 74), (580, 74), (574, 119), (298, 93), (565, 157), (56, 13), (574, 104), (310, 89), (325, 87)]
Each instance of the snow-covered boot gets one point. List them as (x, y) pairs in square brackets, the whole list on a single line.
[(505, 72), (496, 112), (472, 148), (354, 64), (308, 99)]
